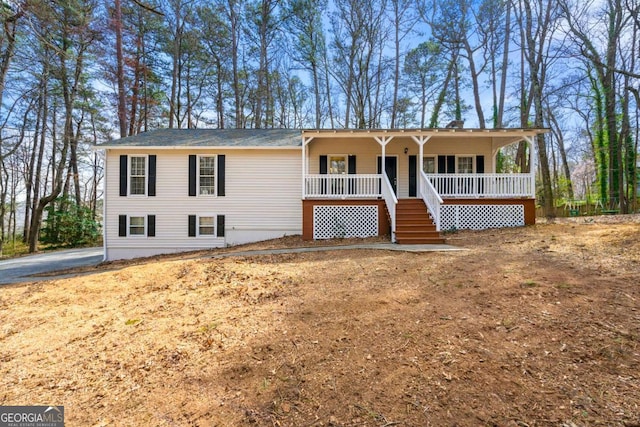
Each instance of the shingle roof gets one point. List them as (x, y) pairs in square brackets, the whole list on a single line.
[(275, 138)]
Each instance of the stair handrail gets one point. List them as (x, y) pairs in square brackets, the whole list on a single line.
[(391, 200), (431, 198)]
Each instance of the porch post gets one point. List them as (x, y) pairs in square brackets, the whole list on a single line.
[(532, 164), (420, 140), (305, 165), (383, 141)]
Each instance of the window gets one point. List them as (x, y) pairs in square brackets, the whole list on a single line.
[(206, 226), (136, 226), (338, 165), (429, 164), (465, 165), (138, 175), (207, 175)]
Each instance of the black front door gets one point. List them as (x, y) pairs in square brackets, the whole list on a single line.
[(391, 168), (413, 176)]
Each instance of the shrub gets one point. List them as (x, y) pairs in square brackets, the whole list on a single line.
[(68, 224)]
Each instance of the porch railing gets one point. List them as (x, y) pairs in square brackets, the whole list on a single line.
[(431, 198), (327, 186), (483, 185), (391, 200)]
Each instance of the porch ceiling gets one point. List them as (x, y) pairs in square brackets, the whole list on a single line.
[(499, 137)]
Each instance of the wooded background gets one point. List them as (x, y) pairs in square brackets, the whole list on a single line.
[(74, 73)]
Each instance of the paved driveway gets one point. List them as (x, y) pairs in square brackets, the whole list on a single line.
[(27, 268)]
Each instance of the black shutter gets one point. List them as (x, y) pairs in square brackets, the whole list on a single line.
[(221, 172), (352, 165), (122, 225), (192, 226), (192, 174), (451, 164), (123, 175), (480, 169), (351, 169), (479, 164), (152, 175), (323, 171), (323, 165), (379, 173), (413, 176), (220, 226), (442, 164), (151, 226)]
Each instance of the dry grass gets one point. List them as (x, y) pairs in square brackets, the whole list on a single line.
[(536, 326)]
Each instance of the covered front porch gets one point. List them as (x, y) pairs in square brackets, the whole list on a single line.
[(437, 166)]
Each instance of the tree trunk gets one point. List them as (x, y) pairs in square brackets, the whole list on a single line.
[(505, 65), (122, 106), (475, 84)]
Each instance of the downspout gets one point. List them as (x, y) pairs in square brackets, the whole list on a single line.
[(104, 210), (303, 168)]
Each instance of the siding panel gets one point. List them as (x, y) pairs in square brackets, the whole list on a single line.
[(262, 200)]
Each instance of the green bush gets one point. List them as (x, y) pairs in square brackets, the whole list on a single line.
[(68, 224)]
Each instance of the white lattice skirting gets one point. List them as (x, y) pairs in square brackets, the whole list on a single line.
[(344, 221), (480, 217)]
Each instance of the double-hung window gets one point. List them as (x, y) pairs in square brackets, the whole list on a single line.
[(465, 164), (337, 166), (136, 226), (206, 225), (429, 164), (138, 176), (207, 175)]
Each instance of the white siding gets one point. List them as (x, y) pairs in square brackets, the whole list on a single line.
[(262, 201)]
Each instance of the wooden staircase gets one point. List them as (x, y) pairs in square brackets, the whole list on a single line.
[(414, 224)]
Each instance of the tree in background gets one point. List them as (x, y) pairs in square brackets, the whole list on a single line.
[(600, 47)]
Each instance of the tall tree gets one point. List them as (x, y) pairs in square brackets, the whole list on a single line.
[(65, 29), (359, 36), (538, 25), (305, 21), (9, 17), (263, 30), (602, 55), (404, 17), (426, 75)]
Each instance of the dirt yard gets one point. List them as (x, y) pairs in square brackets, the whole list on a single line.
[(538, 326)]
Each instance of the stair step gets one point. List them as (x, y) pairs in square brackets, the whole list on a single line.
[(420, 241), (414, 224), (410, 228), (417, 232)]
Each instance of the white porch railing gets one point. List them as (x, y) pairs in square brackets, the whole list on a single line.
[(391, 200), (431, 198), (483, 185), (327, 186)]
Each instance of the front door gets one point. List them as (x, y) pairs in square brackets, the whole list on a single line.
[(413, 176), (391, 168)]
